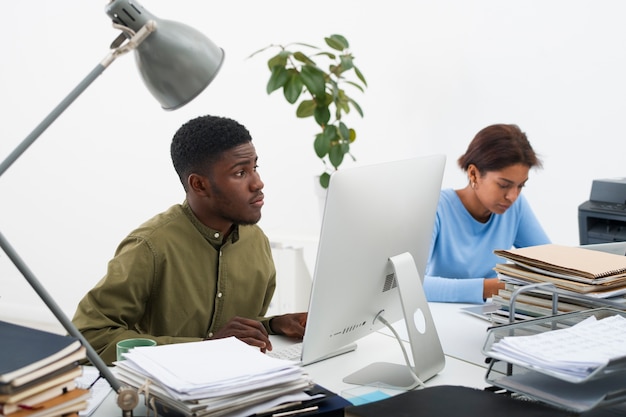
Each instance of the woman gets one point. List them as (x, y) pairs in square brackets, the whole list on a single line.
[(489, 213)]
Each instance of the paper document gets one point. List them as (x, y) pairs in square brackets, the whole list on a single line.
[(571, 354), (98, 387), (202, 369)]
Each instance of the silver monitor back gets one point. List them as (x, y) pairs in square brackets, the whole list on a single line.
[(372, 214)]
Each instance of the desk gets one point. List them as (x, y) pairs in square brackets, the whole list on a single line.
[(462, 335), (455, 335)]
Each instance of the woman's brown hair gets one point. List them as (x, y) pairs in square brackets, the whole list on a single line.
[(498, 146)]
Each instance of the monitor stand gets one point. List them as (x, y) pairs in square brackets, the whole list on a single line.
[(426, 351)]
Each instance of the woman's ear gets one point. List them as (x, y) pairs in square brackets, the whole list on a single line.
[(472, 173)]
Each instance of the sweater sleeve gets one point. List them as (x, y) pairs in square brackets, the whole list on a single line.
[(466, 290)]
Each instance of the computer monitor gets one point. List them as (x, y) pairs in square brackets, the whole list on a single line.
[(374, 214)]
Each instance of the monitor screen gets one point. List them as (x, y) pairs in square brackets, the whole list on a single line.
[(374, 213)]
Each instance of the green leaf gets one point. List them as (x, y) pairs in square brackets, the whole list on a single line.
[(331, 133), (337, 42), (355, 85), (356, 106), (299, 56), (360, 75), (346, 62), (293, 86), (313, 78), (322, 115), (345, 147), (344, 132), (342, 105), (321, 144), (306, 108), (325, 179), (280, 59), (324, 101), (335, 155), (304, 44), (277, 79), (329, 55)]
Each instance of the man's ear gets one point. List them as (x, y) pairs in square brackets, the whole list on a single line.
[(197, 184)]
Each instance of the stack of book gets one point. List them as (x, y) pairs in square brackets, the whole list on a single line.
[(221, 377), (581, 278), (38, 371)]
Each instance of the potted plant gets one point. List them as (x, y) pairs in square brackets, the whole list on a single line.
[(325, 98)]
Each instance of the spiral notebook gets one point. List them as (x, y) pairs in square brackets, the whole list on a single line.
[(568, 261)]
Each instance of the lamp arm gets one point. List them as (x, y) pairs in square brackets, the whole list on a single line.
[(132, 43), (54, 114), (58, 313), (128, 398)]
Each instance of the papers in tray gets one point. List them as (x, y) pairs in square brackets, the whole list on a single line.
[(211, 378), (576, 397), (573, 354)]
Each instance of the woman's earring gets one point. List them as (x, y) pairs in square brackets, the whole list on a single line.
[(473, 185)]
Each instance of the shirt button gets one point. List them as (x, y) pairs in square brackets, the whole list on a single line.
[(219, 295), (216, 235), (210, 334)]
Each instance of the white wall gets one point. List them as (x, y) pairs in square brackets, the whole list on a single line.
[(438, 72)]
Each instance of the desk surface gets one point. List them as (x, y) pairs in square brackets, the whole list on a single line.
[(462, 337)]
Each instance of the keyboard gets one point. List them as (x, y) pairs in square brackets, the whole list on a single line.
[(293, 352), (290, 352)]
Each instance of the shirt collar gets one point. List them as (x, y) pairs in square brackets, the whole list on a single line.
[(213, 236)]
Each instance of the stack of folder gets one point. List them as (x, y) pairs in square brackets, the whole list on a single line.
[(582, 278), (38, 371), (221, 377)]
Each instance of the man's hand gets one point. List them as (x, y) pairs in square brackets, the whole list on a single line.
[(291, 325), (249, 331)]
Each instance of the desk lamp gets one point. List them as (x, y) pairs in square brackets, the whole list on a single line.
[(176, 63)]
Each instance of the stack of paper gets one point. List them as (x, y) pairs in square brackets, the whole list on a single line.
[(37, 373), (536, 303), (213, 378), (572, 354)]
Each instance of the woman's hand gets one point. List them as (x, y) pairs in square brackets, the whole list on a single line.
[(491, 287)]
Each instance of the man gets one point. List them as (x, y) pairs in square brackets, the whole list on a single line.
[(202, 269)]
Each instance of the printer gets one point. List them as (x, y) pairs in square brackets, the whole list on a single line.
[(603, 218)]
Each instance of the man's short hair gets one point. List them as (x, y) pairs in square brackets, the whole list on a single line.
[(201, 141)]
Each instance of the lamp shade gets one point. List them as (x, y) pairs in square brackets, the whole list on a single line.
[(176, 61)]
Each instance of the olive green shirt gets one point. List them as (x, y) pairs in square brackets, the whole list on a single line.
[(175, 280)]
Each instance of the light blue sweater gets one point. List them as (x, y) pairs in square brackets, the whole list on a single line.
[(461, 253)]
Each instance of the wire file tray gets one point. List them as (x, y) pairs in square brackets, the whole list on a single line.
[(602, 386)]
